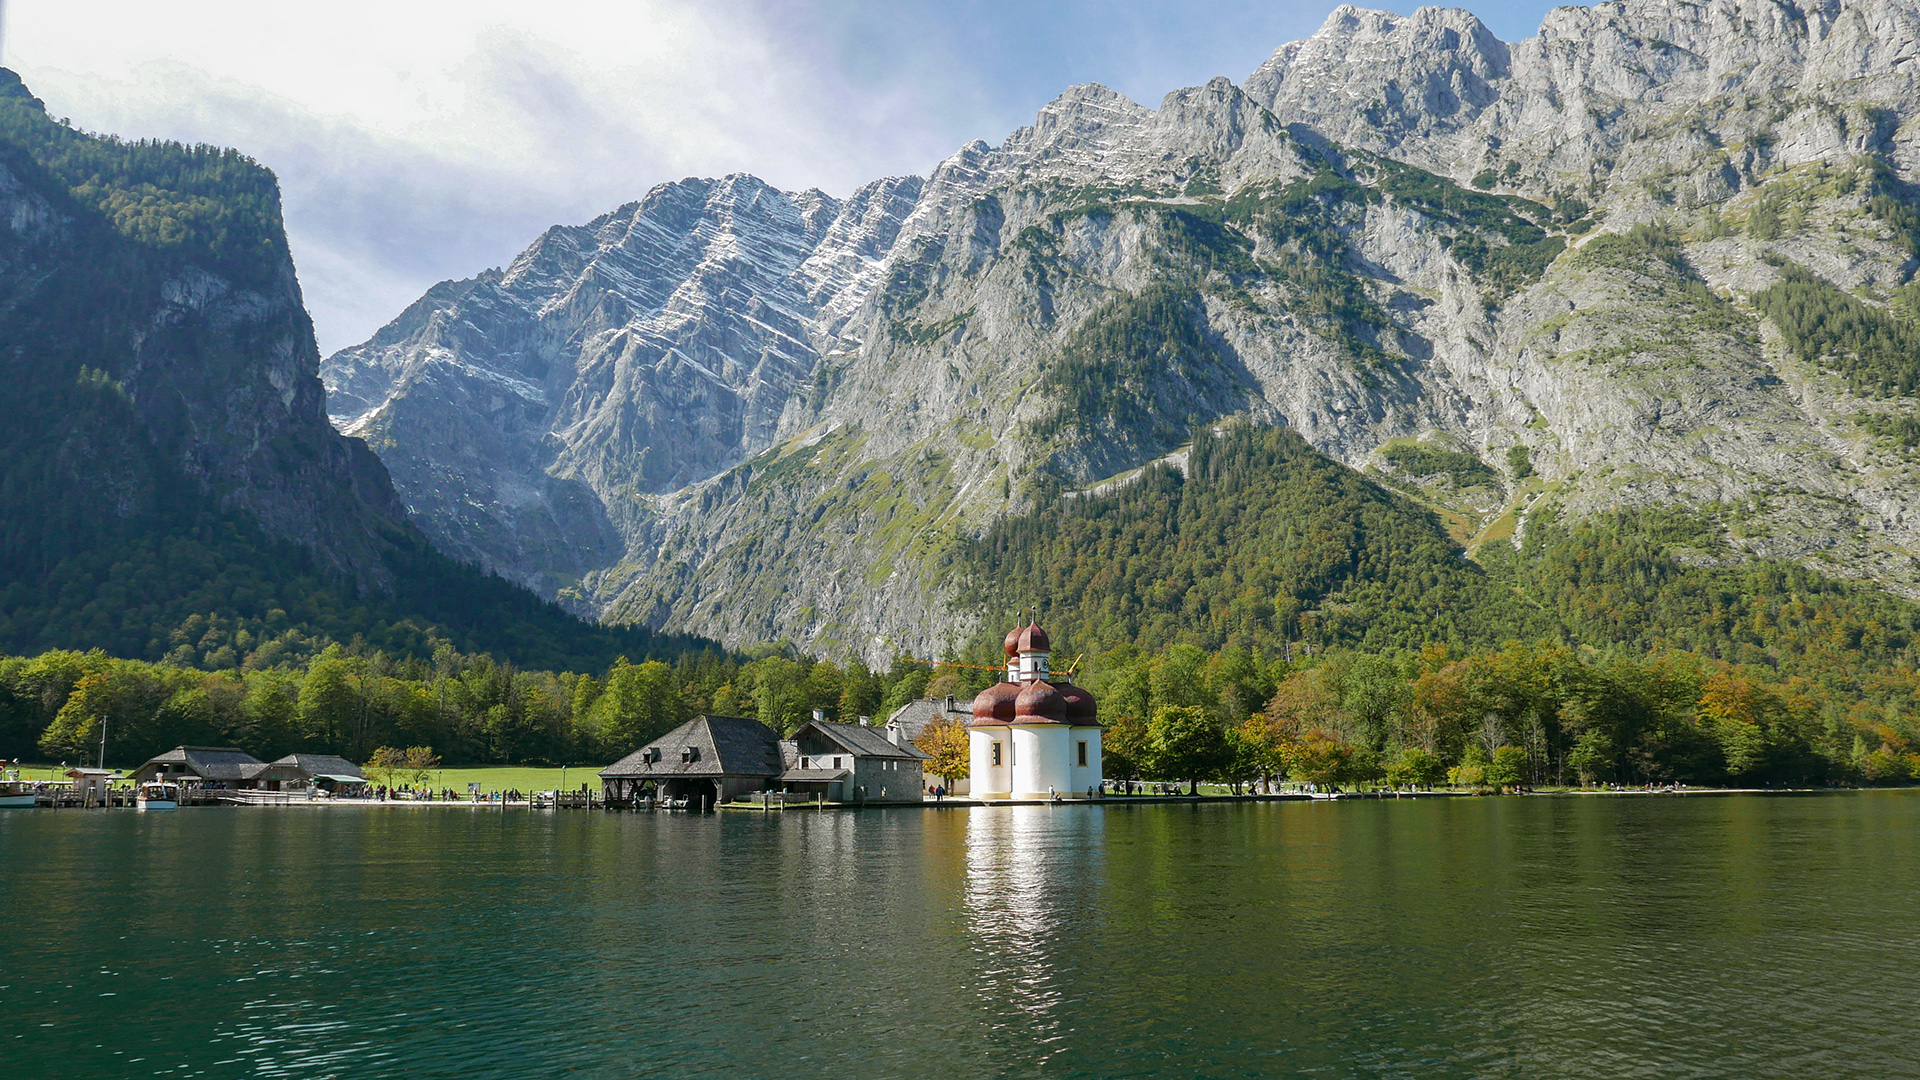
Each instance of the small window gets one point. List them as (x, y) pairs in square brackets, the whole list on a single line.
[(836, 763), (996, 753), (1083, 754), (689, 753)]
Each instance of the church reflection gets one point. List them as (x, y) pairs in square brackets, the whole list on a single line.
[(1035, 874)]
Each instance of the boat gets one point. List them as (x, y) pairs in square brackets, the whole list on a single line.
[(157, 795), (17, 795)]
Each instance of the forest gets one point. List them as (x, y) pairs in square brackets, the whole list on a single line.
[(1266, 613), (212, 203), (1327, 611), (1524, 713), (471, 708), (1874, 350)]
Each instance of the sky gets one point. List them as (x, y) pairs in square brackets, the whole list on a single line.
[(421, 141)]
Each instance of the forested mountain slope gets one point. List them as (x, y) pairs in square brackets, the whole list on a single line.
[(1258, 543), (169, 483), (1657, 257)]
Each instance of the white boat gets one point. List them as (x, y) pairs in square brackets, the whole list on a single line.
[(157, 795), (17, 795)]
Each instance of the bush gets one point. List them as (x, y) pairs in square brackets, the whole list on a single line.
[(1415, 766), (1509, 767)]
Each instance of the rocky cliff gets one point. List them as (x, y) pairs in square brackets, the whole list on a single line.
[(170, 486), (1654, 255), (153, 333)]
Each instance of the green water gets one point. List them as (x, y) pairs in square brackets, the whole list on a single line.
[(1544, 937)]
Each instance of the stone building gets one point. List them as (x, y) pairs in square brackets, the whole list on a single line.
[(911, 720), (851, 763), (1033, 737)]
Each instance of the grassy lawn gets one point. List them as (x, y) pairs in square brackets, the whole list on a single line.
[(502, 778), (41, 772), (514, 778)]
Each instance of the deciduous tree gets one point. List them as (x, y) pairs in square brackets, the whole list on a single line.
[(1184, 742), (945, 743), (641, 702)]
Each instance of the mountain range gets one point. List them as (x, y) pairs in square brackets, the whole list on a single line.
[(1656, 256)]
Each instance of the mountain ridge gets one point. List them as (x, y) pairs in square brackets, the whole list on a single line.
[(777, 440)]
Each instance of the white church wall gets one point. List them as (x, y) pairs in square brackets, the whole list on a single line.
[(987, 779), (1086, 777), (1041, 761)]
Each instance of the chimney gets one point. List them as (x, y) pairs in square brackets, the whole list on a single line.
[(893, 733), (866, 721), (819, 715), (949, 702)]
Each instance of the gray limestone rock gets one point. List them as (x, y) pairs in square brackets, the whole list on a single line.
[(758, 415), (219, 373)]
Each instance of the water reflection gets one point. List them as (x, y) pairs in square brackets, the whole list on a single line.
[(1032, 874), (1472, 938)]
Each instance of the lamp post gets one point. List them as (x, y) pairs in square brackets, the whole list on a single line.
[(103, 742)]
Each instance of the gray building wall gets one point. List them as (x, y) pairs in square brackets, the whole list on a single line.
[(888, 779)]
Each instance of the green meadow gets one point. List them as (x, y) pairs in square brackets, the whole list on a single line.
[(515, 778), (502, 778)]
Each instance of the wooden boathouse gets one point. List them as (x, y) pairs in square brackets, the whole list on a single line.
[(206, 767), (706, 761)]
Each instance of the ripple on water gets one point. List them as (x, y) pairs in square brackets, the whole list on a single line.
[(1470, 938)]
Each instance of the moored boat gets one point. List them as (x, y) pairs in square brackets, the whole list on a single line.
[(17, 795), (157, 795)]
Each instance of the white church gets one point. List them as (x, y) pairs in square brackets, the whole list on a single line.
[(1031, 738)]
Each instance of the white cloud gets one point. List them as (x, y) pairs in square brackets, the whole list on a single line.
[(417, 142)]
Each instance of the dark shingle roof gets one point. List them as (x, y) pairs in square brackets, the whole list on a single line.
[(728, 746), (914, 717), (209, 762), (321, 765), (862, 740)]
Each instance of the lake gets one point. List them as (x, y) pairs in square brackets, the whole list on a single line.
[(1733, 936)]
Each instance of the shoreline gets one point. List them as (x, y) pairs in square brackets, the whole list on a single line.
[(970, 804)]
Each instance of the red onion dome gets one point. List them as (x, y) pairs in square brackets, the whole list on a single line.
[(995, 705), (1040, 703), (1082, 710), (1033, 639), (1013, 642)]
